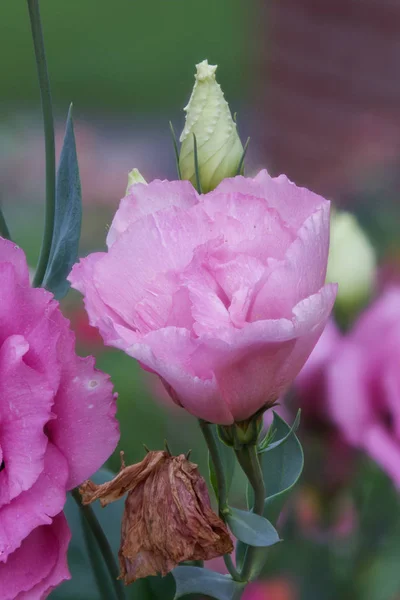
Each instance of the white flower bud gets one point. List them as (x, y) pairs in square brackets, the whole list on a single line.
[(352, 262), (209, 118)]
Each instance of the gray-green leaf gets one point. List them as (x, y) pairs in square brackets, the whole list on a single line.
[(282, 467), (67, 219), (194, 580), (251, 529)]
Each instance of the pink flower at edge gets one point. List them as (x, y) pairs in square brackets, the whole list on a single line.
[(57, 427), (310, 384), (222, 295), (364, 383), (273, 589)]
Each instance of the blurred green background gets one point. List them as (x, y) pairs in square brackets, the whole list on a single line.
[(125, 56)]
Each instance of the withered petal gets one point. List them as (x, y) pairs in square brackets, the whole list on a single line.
[(127, 479), (167, 519)]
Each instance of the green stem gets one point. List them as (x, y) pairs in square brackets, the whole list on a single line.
[(48, 123), (102, 544), (4, 231), (249, 461), (209, 436), (96, 562)]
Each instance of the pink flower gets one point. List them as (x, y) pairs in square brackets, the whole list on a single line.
[(57, 427), (274, 589), (364, 383), (310, 384), (222, 295)]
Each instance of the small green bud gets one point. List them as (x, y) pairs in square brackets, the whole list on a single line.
[(209, 118), (242, 433), (134, 176), (351, 264)]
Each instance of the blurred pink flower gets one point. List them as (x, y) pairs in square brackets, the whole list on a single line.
[(315, 524), (222, 294), (310, 384), (273, 589), (57, 427), (364, 383)]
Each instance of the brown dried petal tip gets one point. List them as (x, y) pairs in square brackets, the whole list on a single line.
[(168, 517)]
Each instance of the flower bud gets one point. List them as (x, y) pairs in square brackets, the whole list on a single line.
[(352, 262), (218, 144), (242, 433), (167, 518), (134, 176)]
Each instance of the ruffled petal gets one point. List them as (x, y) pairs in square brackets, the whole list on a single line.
[(35, 507), (39, 564), (293, 203), (301, 274), (253, 366), (146, 199), (25, 408)]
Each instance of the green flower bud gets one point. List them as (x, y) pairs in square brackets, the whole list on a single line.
[(134, 176), (352, 263), (208, 117), (242, 433)]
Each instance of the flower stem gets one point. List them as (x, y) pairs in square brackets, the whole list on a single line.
[(4, 231), (249, 461), (102, 544), (209, 436), (48, 124)]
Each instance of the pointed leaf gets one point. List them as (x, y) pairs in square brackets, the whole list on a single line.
[(194, 580), (68, 217), (251, 529), (266, 446), (228, 460), (282, 467)]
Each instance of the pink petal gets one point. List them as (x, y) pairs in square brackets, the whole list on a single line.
[(100, 315), (85, 428), (12, 254), (153, 246), (349, 392), (254, 365), (248, 224), (293, 203), (39, 565), (145, 199), (302, 272), (25, 408), (168, 352), (36, 506)]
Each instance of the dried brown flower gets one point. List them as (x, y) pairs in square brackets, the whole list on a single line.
[(168, 517)]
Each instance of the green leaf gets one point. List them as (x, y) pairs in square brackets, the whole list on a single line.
[(240, 169), (268, 444), (68, 217), (80, 559), (194, 580), (176, 150), (196, 165), (251, 529), (282, 466), (228, 460)]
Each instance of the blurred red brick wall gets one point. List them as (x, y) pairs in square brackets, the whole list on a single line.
[(330, 89)]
